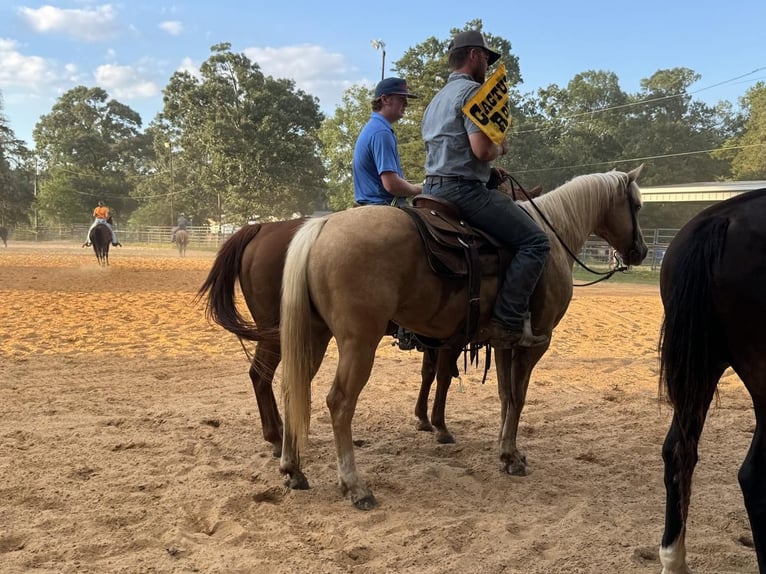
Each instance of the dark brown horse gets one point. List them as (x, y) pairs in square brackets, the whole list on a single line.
[(255, 257), (101, 239), (4, 235), (370, 251), (713, 287), (182, 240)]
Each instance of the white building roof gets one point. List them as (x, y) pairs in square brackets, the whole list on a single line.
[(704, 191)]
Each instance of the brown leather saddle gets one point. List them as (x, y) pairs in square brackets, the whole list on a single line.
[(455, 249)]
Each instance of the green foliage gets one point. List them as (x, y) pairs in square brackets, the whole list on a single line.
[(16, 189), (338, 136), (91, 147), (749, 162), (243, 145)]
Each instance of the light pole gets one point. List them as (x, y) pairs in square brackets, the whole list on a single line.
[(172, 181), (380, 45)]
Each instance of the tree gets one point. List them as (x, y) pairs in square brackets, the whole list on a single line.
[(91, 147), (15, 189), (667, 126), (338, 135), (426, 69), (749, 162), (246, 144)]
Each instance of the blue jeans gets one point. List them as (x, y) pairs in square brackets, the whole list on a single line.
[(96, 222), (497, 214)]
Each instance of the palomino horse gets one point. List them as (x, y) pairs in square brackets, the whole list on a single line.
[(4, 235), (182, 240), (101, 239), (367, 272), (713, 288), (255, 255)]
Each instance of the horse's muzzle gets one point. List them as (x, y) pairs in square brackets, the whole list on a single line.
[(636, 255)]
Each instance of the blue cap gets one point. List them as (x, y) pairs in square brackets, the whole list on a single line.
[(391, 87)]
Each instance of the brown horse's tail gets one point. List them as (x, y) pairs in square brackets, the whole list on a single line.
[(220, 288), (297, 340)]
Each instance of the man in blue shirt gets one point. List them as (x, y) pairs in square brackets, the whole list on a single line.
[(377, 170)]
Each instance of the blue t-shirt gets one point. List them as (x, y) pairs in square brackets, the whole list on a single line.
[(375, 152)]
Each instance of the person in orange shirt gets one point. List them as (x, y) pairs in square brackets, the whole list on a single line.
[(101, 215)]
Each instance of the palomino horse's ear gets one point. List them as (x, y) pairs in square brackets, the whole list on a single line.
[(634, 173)]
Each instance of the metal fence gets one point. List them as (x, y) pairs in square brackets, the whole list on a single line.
[(199, 237), (596, 250)]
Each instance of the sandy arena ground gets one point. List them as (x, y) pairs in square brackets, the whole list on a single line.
[(130, 442)]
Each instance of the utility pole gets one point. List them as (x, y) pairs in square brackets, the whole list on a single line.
[(172, 183), (380, 45)]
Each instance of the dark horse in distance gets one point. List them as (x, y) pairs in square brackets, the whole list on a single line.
[(713, 288), (182, 240), (101, 239), (4, 235)]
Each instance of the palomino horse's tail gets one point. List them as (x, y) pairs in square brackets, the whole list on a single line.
[(690, 346), (220, 288), (297, 341)]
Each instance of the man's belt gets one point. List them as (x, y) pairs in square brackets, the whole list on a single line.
[(439, 179)]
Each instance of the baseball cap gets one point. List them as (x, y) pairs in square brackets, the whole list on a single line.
[(473, 39), (392, 86)]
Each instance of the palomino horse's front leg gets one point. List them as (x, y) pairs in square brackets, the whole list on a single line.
[(514, 367), (355, 359)]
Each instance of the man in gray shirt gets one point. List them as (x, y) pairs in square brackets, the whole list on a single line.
[(458, 156)]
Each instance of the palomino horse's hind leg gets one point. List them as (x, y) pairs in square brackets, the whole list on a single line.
[(427, 376), (355, 359), (262, 369)]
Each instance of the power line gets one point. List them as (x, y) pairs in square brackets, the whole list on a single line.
[(637, 159), (649, 101)]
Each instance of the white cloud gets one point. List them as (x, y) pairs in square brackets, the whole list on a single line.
[(124, 82), (172, 27), (190, 66), (89, 24), (315, 70), (18, 70)]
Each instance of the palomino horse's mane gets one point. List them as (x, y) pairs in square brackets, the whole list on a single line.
[(578, 199)]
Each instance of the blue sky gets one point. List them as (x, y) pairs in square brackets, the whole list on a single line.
[(131, 48)]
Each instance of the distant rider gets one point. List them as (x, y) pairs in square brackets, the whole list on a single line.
[(180, 224), (101, 215)]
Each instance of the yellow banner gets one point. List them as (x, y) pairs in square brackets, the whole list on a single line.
[(488, 108)]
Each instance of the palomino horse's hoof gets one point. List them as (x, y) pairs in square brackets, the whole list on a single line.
[(366, 502)]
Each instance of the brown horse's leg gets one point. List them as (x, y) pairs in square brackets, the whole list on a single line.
[(427, 375), (445, 370), (355, 359), (265, 362), (514, 367)]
